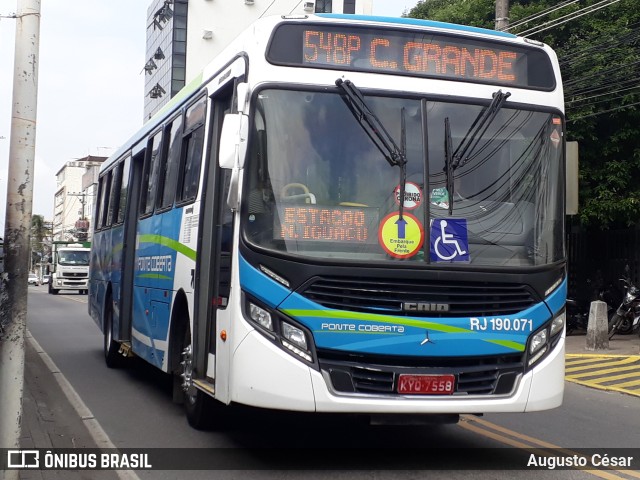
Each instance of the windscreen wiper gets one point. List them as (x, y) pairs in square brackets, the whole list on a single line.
[(374, 128), (478, 128), (475, 133)]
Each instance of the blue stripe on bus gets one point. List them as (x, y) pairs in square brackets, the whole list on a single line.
[(390, 334), (260, 286), (418, 22), (415, 336), (157, 242)]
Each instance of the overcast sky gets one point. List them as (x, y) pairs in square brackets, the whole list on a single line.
[(91, 87)]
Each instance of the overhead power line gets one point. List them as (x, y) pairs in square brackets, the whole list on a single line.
[(567, 18), (576, 55), (621, 107), (607, 73), (585, 100), (542, 13)]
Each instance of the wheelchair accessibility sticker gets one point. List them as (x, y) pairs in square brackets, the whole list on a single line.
[(401, 238), (448, 240)]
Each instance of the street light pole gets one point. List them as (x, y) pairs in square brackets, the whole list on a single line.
[(13, 289)]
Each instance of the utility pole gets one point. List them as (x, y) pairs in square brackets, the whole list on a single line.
[(502, 14), (82, 225), (13, 286)]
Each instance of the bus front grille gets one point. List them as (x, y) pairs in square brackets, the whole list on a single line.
[(365, 374), (432, 298)]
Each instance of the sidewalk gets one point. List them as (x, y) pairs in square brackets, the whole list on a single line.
[(49, 420), (576, 343)]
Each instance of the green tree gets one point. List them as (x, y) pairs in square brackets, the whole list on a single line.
[(599, 58), (40, 238)]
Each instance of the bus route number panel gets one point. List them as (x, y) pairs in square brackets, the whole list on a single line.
[(428, 54)]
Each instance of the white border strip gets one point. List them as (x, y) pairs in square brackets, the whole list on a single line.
[(95, 429)]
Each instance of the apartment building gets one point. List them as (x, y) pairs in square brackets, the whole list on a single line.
[(184, 35), (74, 200)]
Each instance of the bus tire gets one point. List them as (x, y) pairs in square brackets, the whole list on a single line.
[(198, 406), (112, 358), (52, 291)]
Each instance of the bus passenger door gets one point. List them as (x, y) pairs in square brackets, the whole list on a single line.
[(129, 242), (213, 268)]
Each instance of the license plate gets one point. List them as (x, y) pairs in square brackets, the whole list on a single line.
[(426, 384)]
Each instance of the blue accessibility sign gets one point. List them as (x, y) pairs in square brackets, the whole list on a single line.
[(449, 240)]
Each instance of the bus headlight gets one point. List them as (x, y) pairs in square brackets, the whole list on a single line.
[(538, 341), (294, 335), (283, 331), (557, 325), (260, 316), (294, 340), (546, 338)]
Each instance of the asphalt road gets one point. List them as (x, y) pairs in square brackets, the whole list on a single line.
[(134, 407)]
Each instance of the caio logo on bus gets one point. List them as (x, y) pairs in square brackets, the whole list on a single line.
[(425, 307)]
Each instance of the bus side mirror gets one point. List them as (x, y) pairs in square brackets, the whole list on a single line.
[(233, 141)]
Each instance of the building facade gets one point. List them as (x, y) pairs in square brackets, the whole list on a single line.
[(184, 35), (74, 199)]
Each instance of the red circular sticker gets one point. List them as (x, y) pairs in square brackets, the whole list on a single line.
[(412, 195)]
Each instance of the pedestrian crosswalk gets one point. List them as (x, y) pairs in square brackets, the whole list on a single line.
[(620, 373)]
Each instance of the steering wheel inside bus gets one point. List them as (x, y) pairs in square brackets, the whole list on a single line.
[(288, 193)]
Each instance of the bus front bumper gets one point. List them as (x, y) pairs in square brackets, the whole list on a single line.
[(279, 381)]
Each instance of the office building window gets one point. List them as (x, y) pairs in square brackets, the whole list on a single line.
[(349, 6), (324, 6)]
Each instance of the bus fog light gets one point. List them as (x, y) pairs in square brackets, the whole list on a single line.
[(294, 335), (558, 324), (261, 316), (538, 341)]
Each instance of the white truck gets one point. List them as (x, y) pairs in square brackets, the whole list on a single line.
[(69, 268)]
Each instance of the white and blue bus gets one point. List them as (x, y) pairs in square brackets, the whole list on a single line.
[(345, 214)]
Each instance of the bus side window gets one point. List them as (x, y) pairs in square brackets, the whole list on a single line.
[(150, 176), (104, 186), (124, 190), (192, 151), (114, 195), (170, 163)]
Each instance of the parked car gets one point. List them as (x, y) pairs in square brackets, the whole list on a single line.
[(45, 279), (33, 279)]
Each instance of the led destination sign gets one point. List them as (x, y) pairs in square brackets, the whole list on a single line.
[(411, 53), (327, 224)]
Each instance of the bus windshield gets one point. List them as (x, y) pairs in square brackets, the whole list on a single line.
[(319, 187)]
